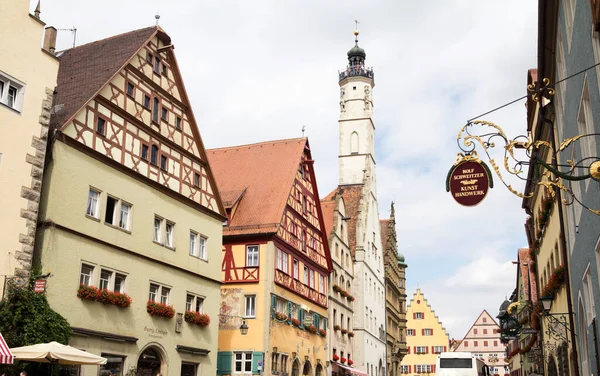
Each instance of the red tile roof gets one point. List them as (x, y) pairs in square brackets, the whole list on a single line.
[(85, 69), (384, 225), (352, 196), (328, 209), (265, 174), (527, 277)]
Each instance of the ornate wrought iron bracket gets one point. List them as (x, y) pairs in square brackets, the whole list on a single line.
[(483, 135)]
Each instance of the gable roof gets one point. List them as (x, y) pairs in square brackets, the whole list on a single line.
[(85, 69), (328, 209), (265, 173), (351, 195), (384, 225)]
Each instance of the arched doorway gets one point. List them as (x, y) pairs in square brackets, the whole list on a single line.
[(306, 370), (319, 370), (150, 362), (381, 368), (552, 370), (296, 367)]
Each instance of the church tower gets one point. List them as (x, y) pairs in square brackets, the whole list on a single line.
[(357, 130)]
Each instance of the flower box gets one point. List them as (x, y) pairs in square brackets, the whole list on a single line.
[(104, 296), (343, 360), (344, 331), (350, 362), (343, 293), (350, 298), (350, 334), (312, 329), (336, 357), (337, 288), (295, 322), (200, 319), (322, 332), (159, 309), (281, 316), (336, 327)]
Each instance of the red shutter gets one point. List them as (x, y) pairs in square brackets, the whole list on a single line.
[(423, 315), (426, 349), (444, 348), (409, 367), (422, 332), (408, 352), (414, 315), (433, 368), (495, 343), (431, 331)]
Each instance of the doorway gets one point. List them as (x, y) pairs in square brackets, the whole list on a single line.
[(149, 362)]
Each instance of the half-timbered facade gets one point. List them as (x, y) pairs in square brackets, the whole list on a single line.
[(130, 213), (276, 260)]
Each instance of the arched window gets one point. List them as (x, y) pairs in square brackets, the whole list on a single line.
[(354, 143), (583, 343), (154, 155)]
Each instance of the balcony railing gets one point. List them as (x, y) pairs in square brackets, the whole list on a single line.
[(357, 70)]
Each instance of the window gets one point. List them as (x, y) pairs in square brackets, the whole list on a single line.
[(198, 245), (252, 256), (154, 155), (475, 343), (153, 293), (120, 282), (403, 369), (144, 152), (164, 162), (130, 89), (474, 331), (495, 343), (85, 278), (312, 279), (484, 331), (164, 70), (305, 275), (484, 319), (284, 363), (11, 92), (196, 179), (178, 123), (169, 228), (157, 229), (303, 206), (296, 271), (101, 126), (105, 276), (164, 114), (164, 295), (322, 284), (250, 310), (124, 213), (485, 343), (410, 332), (420, 349), (282, 261), (92, 204), (194, 303), (427, 332), (274, 362), (586, 124), (149, 58), (156, 65), (588, 296), (303, 240), (419, 315), (242, 362), (146, 101), (155, 109), (438, 349)]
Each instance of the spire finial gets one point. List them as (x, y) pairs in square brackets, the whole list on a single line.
[(356, 31), (303, 129), (157, 16), (37, 11)]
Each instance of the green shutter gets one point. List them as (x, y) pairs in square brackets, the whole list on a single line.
[(224, 362), (273, 305), (325, 324), (256, 357), (301, 317), (316, 320), (289, 312)]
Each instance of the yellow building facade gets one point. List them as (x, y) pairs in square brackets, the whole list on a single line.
[(27, 81), (276, 261), (426, 337), (130, 218)]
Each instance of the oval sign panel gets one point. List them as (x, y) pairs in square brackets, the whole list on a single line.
[(469, 182)]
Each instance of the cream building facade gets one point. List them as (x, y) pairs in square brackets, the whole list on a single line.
[(426, 337), (483, 340), (130, 220), (357, 185), (341, 301), (27, 80)]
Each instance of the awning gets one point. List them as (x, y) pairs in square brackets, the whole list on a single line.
[(6, 357), (353, 371)]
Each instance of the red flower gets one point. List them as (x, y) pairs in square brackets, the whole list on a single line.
[(200, 319), (336, 357), (104, 296), (350, 362), (322, 332), (343, 360), (87, 292), (350, 334), (295, 322), (159, 309), (312, 329)]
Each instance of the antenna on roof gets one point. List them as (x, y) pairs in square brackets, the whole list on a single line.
[(74, 31), (303, 129), (157, 16)]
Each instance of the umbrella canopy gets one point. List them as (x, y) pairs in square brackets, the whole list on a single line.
[(55, 352), (6, 357)]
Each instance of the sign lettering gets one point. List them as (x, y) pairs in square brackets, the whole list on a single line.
[(469, 182)]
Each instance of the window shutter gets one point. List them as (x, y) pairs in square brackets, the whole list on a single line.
[(273, 305), (289, 311), (444, 348), (409, 369), (414, 315), (325, 324), (316, 320), (301, 317), (224, 362), (426, 349), (423, 315), (256, 357), (408, 350), (422, 332), (431, 331)]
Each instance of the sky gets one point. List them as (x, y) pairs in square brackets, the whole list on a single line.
[(261, 70)]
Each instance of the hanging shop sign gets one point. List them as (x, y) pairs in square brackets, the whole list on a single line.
[(469, 181), (39, 286)]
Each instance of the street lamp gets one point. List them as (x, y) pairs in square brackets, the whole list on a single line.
[(547, 303), (244, 328)]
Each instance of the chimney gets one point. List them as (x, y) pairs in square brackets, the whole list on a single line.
[(50, 39)]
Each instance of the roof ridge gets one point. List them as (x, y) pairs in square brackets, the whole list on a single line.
[(108, 38), (259, 143)]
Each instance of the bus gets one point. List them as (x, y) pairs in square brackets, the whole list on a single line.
[(460, 364)]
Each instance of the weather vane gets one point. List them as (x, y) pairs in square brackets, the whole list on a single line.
[(303, 129)]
